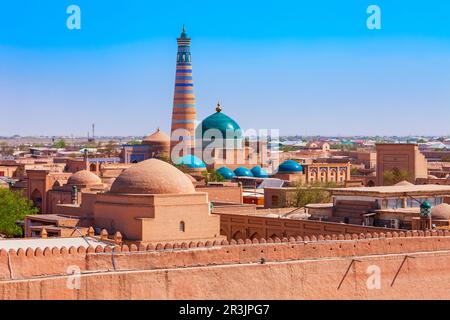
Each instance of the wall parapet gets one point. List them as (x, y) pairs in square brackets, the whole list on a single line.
[(29, 263)]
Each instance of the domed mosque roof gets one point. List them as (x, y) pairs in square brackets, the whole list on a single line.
[(221, 122), (243, 172), (152, 176), (226, 173), (191, 162), (290, 166), (259, 172), (157, 137), (83, 178), (441, 211)]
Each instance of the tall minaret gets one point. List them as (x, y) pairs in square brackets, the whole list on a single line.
[(184, 113)]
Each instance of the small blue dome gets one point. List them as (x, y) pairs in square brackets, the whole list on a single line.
[(243, 172), (290, 166), (425, 205), (259, 172), (226, 173), (191, 162)]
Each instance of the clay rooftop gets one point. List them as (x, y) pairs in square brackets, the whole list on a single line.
[(427, 188), (35, 243)]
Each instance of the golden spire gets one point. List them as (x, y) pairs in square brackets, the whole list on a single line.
[(219, 107)]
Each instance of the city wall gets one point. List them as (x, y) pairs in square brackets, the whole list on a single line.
[(235, 226), (412, 265)]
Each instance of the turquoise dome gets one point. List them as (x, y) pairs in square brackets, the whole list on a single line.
[(191, 162), (243, 172), (425, 205), (259, 172), (226, 173), (221, 122), (290, 166)]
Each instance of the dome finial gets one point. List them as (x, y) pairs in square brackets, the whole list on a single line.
[(219, 107), (183, 34)]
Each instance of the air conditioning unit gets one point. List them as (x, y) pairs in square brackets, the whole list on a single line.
[(394, 224)]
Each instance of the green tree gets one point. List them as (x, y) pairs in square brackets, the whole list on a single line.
[(312, 193), (13, 207), (394, 176), (213, 176), (60, 144)]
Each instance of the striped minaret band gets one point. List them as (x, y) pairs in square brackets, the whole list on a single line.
[(184, 113)]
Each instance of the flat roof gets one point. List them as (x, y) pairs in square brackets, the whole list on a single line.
[(52, 217), (35, 243), (424, 188), (319, 205)]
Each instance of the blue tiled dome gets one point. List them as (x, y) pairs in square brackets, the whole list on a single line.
[(290, 166), (243, 172), (259, 172), (191, 162), (221, 122), (425, 205), (226, 173)]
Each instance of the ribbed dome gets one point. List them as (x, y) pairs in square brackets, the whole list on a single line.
[(152, 176), (243, 172), (290, 166), (158, 137), (259, 172), (226, 173), (191, 162), (441, 211), (83, 178), (221, 122)]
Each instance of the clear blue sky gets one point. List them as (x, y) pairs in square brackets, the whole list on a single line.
[(306, 67)]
